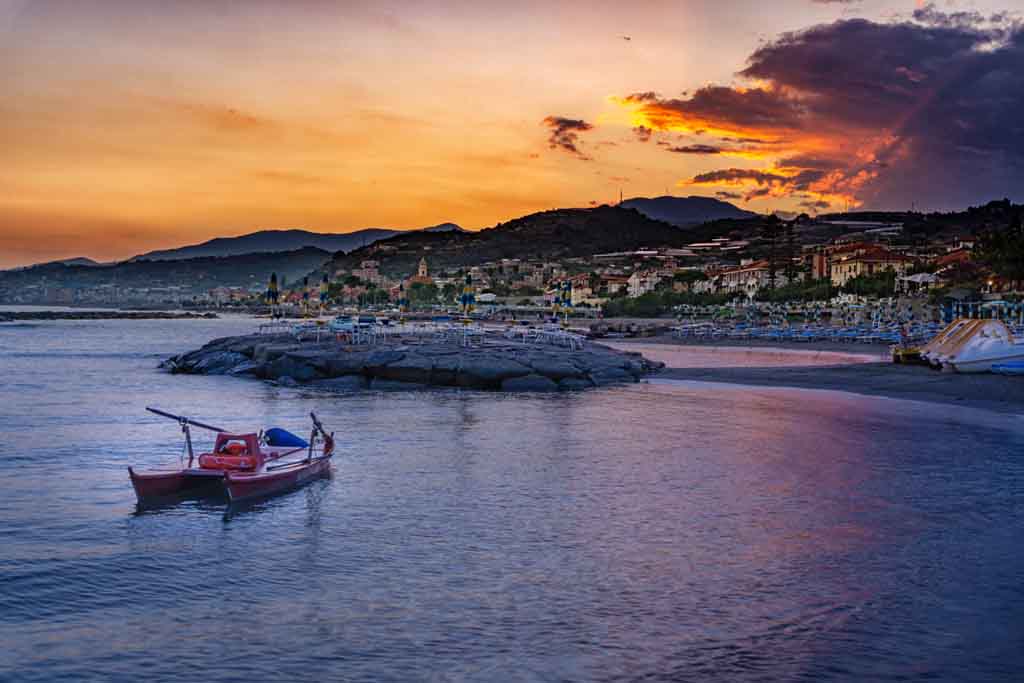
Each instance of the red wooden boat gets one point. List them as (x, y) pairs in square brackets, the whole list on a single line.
[(242, 466)]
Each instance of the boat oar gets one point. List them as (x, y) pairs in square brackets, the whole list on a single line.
[(283, 455), (299, 462), (186, 420)]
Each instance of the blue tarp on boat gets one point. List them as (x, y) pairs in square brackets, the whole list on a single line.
[(1012, 368), (284, 438)]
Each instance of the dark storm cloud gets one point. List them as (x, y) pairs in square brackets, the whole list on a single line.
[(860, 73), (930, 110), (812, 162), (737, 175), (565, 134), (643, 133), (815, 204), (723, 194), (714, 107), (696, 149)]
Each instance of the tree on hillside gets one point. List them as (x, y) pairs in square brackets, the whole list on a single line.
[(790, 267), (770, 232), (881, 284), (449, 292), (687, 277), (423, 294), (1003, 251)]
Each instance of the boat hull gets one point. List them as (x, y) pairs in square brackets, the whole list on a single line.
[(241, 486), (174, 483), (985, 364)]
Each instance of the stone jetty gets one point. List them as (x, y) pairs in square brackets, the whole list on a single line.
[(408, 363)]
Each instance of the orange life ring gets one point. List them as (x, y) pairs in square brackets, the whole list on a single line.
[(211, 461)]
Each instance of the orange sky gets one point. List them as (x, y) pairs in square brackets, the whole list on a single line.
[(130, 125)]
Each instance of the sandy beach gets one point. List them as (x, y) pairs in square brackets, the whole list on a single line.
[(856, 368)]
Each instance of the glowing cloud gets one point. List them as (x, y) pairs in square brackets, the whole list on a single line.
[(862, 112)]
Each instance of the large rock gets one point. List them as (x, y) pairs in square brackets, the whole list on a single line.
[(265, 353), (245, 346), (346, 363), (531, 382), (607, 375), (247, 367), (342, 384), (315, 358), (290, 366), (413, 367), (488, 371), (375, 360), (540, 367), (394, 385), (445, 369), (571, 384), (555, 368)]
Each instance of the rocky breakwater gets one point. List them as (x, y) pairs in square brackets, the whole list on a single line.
[(409, 364)]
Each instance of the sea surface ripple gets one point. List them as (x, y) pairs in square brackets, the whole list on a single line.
[(660, 531)]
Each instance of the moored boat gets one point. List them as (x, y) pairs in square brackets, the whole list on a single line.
[(992, 343), (1012, 368), (240, 466)]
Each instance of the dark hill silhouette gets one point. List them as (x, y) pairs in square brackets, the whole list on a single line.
[(561, 233), (266, 241), (74, 261), (197, 274), (686, 211)]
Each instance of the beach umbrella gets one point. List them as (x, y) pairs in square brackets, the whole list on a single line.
[(566, 297), (468, 298), (305, 293), (324, 288), (272, 291)]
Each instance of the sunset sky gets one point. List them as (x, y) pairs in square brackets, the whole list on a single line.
[(130, 125)]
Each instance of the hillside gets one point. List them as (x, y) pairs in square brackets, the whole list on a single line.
[(282, 240), (75, 261), (444, 227), (266, 241), (972, 221), (198, 274), (561, 233), (686, 211)]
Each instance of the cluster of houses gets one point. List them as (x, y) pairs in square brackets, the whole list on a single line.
[(721, 265), (702, 267)]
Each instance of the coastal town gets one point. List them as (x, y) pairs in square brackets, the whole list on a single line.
[(589, 342), (769, 259)]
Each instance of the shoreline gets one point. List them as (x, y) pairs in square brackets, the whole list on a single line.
[(37, 316), (867, 377), (877, 350)]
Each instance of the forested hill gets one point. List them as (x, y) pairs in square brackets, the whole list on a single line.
[(557, 234), (197, 274)]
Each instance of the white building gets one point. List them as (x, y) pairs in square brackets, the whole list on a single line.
[(643, 281)]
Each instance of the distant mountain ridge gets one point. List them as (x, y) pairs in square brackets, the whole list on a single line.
[(268, 241), (197, 274), (74, 261), (686, 211), (548, 235)]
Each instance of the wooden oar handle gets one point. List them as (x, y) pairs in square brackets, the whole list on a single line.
[(187, 420)]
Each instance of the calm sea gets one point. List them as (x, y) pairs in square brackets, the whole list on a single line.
[(660, 531)]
